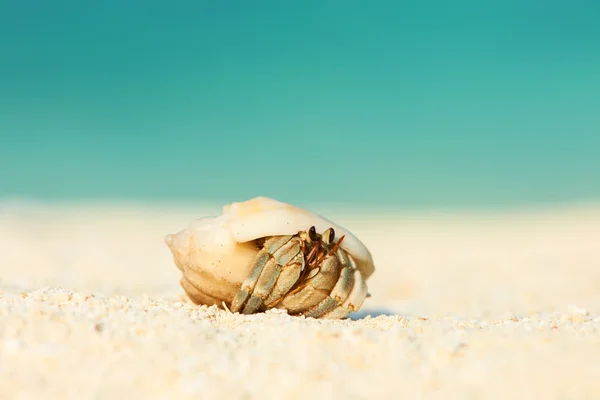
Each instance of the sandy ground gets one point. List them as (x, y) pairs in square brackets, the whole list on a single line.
[(463, 306)]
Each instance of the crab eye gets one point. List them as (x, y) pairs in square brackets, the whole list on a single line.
[(312, 234), (331, 237)]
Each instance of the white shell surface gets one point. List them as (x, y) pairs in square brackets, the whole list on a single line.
[(207, 247), (263, 216)]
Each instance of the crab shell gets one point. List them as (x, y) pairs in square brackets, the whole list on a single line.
[(215, 254)]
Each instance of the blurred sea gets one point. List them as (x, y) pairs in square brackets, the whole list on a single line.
[(384, 103)]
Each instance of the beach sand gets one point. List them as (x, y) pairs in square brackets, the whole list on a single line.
[(464, 306)]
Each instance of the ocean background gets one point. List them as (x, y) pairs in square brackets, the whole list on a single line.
[(401, 104)]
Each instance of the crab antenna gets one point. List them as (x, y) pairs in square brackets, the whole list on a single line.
[(314, 251), (333, 249), (337, 244), (310, 255), (318, 247)]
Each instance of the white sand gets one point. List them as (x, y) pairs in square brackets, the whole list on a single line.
[(464, 306)]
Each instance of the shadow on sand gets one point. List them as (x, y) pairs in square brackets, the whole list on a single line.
[(372, 312)]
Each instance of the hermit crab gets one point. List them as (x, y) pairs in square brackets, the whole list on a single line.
[(263, 253)]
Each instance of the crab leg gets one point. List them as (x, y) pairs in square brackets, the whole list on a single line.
[(314, 288), (276, 269), (353, 302), (348, 294), (332, 290), (336, 297)]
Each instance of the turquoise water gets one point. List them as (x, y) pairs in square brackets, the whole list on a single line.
[(414, 103)]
